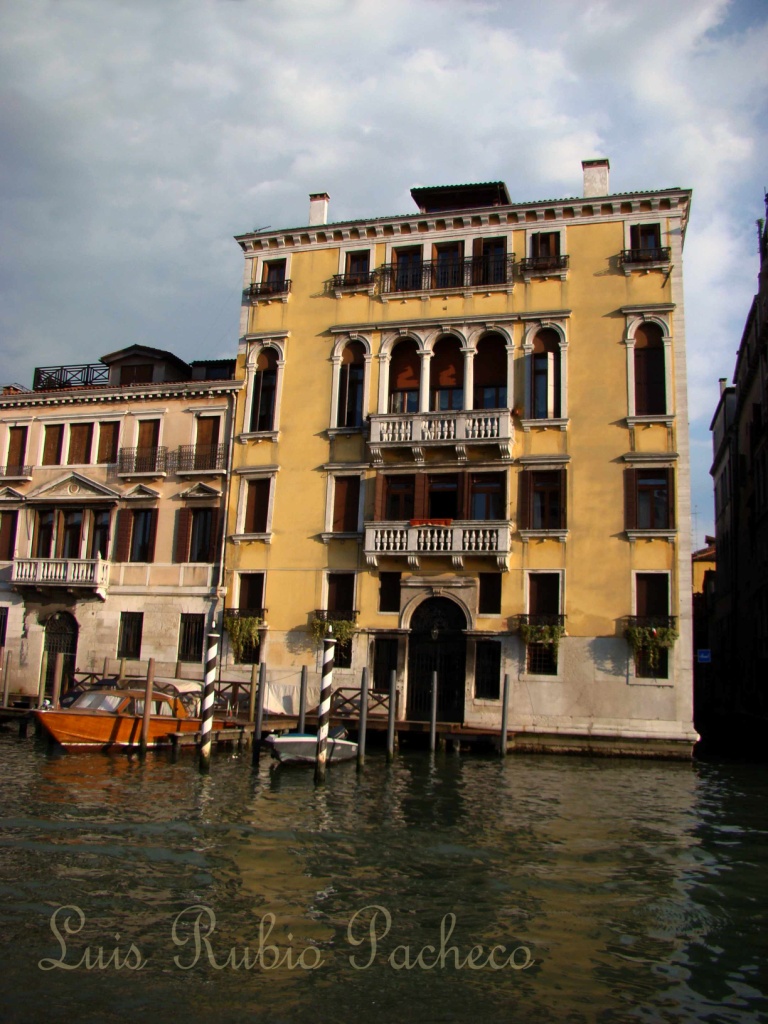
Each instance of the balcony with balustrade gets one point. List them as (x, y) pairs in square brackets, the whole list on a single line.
[(457, 429), (90, 574), (474, 274), (149, 462), (425, 539), (197, 459)]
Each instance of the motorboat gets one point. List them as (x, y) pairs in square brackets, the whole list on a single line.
[(101, 719), (301, 748)]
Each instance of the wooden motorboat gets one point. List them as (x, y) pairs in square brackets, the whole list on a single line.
[(301, 748), (113, 718)]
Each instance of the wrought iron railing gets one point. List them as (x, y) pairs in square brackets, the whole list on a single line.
[(142, 460), (267, 288), (658, 254), (190, 457), (345, 615), (433, 275), (537, 264), (652, 621), (246, 613), (49, 378), (366, 277), (15, 472), (541, 619)]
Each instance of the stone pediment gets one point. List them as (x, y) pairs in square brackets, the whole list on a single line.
[(73, 487), (9, 494), (200, 490), (141, 493)]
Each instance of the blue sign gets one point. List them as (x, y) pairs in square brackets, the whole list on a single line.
[(704, 656)]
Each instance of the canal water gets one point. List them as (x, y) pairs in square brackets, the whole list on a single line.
[(539, 889)]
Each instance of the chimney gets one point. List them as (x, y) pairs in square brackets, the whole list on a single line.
[(723, 381), (595, 177), (318, 208)]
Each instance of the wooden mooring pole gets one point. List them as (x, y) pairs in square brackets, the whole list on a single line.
[(302, 726), (504, 718), (363, 719), (324, 708), (148, 689), (43, 674), (4, 674), (259, 724), (252, 694), (58, 673), (206, 726), (391, 716), (433, 715)]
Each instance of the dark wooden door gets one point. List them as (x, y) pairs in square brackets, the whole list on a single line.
[(60, 636), (437, 643)]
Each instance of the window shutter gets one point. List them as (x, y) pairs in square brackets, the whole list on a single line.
[(149, 433), (152, 535), (563, 499), (346, 502), (420, 496), (463, 497), (17, 446), (123, 534), (630, 499), (183, 529), (257, 505), (670, 473), (634, 236), (379, 498), (80, 437), (525, 512), (108, 434), (214, 541), (551, 383), (52, 445), (7, 535)]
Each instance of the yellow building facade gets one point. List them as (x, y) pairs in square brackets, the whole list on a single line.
[(464, 431)]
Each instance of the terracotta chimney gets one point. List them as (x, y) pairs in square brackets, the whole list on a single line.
[(318, 208), (723, 382), (595, 177)]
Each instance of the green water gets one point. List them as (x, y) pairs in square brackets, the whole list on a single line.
[(622, 890)]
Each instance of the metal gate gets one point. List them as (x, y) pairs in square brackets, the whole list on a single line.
[(60, 636), (437, 643)]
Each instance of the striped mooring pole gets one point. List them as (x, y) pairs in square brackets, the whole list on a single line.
[(324, 710), (206, 727)]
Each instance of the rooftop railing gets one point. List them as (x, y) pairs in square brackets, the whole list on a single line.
[(51, 378)]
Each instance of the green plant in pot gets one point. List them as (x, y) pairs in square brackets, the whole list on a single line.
[(652, 639), (242, 630), (343, 630), (549, 634)]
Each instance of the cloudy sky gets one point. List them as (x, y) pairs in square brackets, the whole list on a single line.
[(138, 136)]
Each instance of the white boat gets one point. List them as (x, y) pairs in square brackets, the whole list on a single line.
[(301, 748)]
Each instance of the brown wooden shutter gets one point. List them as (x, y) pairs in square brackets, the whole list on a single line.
[(405, 365), (526, 496), (108, 435), (346, 502), (379, 498), (123, 534), (17, 446), (421, 496), (446, 369), (462, 496), (257, 505), (630, 499), (149, 432), (208, 430), (52, 444), (183, 530), (8, 522), (634, 236), (563, 499), (80, 438), (214, 541), (152, 535)]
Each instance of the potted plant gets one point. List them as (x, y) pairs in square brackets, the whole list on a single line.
[(652, 639), (242, 629), (541, 633)]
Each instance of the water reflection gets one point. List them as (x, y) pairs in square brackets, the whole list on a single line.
[(638, 888)]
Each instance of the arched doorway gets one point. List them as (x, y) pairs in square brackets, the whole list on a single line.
[(60, 636), (437, 643)]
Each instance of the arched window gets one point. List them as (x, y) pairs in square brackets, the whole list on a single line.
[(351, 378), (404, 376), (545, 375), (650, 388), (264, 391), (491, 373), (446, 375)]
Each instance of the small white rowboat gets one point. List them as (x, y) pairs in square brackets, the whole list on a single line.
[(300, 748)]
